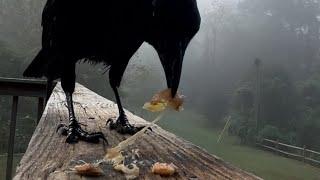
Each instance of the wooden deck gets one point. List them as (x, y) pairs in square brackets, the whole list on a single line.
[(49, 157)]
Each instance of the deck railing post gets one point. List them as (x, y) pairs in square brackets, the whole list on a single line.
[(277, 146), (304, 153), (11, 137)]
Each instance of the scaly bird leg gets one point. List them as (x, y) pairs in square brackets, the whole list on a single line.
[(122, 124), (73, 131)]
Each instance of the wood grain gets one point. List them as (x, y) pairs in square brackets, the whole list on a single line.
[(49, 157)]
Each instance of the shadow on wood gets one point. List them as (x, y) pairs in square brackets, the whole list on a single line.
[(49, 157)]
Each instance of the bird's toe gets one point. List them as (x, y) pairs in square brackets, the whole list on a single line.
[(123, 126), (94, 137), (62, 129), (72, 138), (75, 133)]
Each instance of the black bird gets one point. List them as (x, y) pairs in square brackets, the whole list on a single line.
[(110, 32)]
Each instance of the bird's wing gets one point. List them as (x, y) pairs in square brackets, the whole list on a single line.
[(39, 65), (49, 15)]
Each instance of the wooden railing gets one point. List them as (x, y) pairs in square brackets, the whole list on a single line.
[(17, 88), (294, 152), (49, 157)]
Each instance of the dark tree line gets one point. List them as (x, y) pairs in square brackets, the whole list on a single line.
[(287, 39)]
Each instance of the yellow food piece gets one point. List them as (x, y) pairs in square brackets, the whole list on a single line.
[(163, 169), (162, 100), (157, 107), (130, 173), (115, 156), (88, 169), (112, 153)]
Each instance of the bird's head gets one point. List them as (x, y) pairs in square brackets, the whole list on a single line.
[(174, 24)]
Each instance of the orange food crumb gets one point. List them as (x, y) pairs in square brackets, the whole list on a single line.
[(164, 169), (88, 169)]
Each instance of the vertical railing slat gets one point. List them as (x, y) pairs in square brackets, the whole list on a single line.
[(11, 137)]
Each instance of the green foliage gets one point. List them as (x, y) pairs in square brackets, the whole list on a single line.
[(309, 129), (278, 99), (310, 90), (269, 132), (308, 134), (289, 112), (244, 127)]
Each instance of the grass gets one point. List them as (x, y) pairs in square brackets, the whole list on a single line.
[(259, 162), (3, 164)]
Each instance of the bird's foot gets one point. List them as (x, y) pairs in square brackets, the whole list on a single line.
[(123, 126), (74, 133)]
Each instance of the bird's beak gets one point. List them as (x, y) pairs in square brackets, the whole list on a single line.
[(171, 61)]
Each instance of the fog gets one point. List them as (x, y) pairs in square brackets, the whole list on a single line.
[(219, 76)]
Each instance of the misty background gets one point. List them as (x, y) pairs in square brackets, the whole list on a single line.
[(218, 79)]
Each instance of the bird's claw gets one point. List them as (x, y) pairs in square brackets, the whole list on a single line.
[(63, 129), (75, 133), (149, 128), (123, 126)]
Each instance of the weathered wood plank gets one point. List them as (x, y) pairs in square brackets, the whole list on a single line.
[(49, 157)]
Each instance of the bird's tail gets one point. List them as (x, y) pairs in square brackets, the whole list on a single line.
[(37, 67)]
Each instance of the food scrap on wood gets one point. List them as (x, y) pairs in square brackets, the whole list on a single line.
[(164, 169), (129, 172), (115, 157), (88, 169)]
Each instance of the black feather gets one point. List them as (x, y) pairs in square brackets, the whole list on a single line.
[(108, 32), (38, 66)]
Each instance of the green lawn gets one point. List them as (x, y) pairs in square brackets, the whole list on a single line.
[(261, 163), (3, 164)]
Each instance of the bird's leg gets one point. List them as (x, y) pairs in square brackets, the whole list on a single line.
[(122, 124), (73, 131)]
